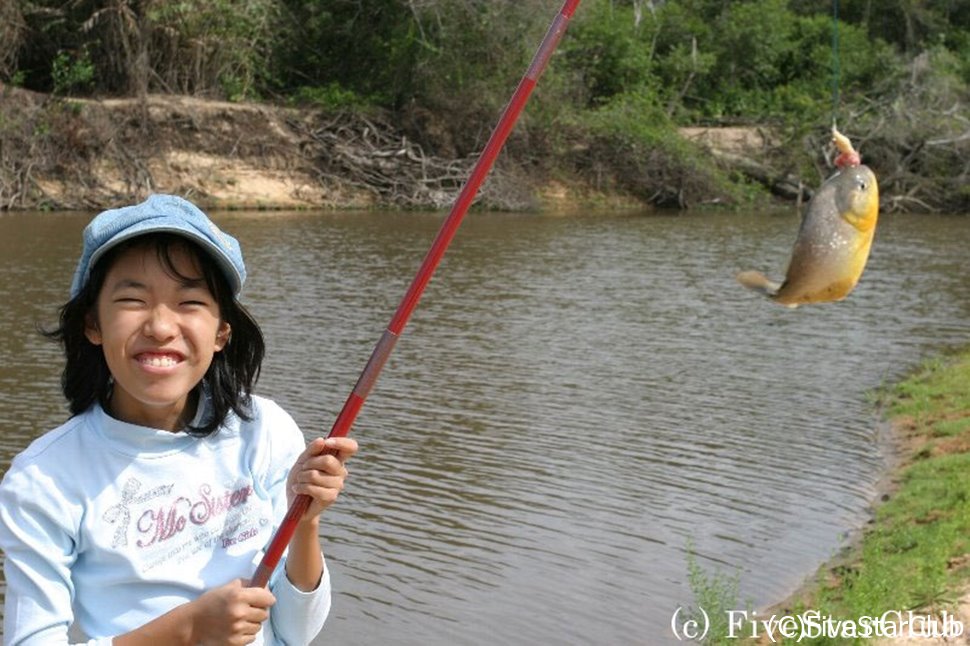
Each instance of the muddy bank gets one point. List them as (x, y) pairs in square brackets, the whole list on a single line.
[(61, 153), (86, 154), (83, 154)]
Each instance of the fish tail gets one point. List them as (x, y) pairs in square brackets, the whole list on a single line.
[(759, 282)]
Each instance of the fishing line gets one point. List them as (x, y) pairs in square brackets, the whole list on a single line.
[(835, 62)]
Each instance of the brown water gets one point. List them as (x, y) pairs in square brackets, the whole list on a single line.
[(576, 400)]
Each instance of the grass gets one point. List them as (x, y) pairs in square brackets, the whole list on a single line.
[(916, 553), (716, 594)]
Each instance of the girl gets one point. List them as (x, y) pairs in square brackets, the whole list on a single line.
[(138, 520)]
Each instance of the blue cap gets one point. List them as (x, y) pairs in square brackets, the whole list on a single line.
[(159, 214)]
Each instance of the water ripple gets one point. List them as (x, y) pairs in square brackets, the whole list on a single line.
[(574, 404)]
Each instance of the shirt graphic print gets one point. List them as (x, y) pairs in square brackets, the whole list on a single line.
[(168, 524)]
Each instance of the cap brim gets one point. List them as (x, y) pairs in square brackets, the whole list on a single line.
[(153, 226)]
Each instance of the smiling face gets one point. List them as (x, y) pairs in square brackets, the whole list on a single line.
[(159, 327)]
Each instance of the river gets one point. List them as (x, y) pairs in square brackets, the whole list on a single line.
[(577, 402)]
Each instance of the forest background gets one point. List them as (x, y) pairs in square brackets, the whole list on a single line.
[(676, 103)]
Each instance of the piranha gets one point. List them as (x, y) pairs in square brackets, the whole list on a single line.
[(834, 239)]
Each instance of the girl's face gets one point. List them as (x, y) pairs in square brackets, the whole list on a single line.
[(159, 333)]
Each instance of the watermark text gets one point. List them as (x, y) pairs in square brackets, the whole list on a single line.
[(695, 625)]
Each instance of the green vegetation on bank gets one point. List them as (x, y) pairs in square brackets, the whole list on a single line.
[(913, 556), (916, 553), (629, 73)]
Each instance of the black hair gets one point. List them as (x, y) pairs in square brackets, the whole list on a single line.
[(234, 370)]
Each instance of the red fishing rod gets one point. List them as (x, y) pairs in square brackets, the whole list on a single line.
[(341, 427)]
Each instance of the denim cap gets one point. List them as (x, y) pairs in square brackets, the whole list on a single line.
[(159, 214)]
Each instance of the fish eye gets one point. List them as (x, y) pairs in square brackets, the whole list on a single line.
[(862, 185)]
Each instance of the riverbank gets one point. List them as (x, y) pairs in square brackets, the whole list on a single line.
[(64, 153), (915, 552), (59, 153)]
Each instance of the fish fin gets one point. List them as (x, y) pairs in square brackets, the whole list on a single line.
[(759, 282)]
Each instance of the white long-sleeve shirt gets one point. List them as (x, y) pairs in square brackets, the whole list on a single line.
[(107, 525)]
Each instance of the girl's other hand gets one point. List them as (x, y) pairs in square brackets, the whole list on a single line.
[(230, 614)]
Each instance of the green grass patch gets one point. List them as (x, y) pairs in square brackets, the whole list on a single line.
[(916, 553)]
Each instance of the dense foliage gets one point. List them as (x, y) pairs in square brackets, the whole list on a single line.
[(626, 75)]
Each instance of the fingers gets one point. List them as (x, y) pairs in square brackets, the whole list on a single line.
[(320, 472), (254, 597), (321, 478), (328, 465), (343, 448), (250, 619), (244, 628), (230, 614), (249, 610), (322, 459)]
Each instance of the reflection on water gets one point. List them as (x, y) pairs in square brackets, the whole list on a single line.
[(575, 401)]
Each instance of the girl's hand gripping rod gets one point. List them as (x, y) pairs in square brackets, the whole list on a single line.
[(378, 358)]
